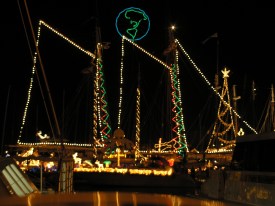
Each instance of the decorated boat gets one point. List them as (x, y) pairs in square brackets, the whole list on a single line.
[(142, 154), (108, 152)]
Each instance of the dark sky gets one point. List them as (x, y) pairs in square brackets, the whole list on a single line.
[(245, 34)]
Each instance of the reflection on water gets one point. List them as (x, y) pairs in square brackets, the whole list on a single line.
[(116, 198)]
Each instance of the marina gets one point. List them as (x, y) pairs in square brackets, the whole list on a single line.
[(118, 133)]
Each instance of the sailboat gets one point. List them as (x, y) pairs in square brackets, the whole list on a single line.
[(267, 119), (108, 149), (224, 132), (251, 171), (51, 150)]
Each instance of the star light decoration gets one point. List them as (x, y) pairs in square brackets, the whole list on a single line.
[(225, 73)]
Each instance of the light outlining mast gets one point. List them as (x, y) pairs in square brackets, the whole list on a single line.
[(224, 132), (101, 117), (178, 142), (137, 142), (178, 129)]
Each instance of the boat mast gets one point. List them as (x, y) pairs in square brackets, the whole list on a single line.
[(45, 78), (137, 140), (221, 139), (65, 162), (253, 103), (178, 127), (272, 108), (217, 87), (268, 123), (235, 99), (5, 119), (101, 117)]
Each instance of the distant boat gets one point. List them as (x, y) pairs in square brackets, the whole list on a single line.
[(220, 139), (251, 175), (267, 119)]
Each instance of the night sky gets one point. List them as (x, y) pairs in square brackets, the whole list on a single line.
[(246, 44)]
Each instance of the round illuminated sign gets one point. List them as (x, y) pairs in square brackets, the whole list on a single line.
[(132, 23)]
